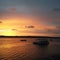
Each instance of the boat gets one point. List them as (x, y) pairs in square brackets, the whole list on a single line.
[(23, 40), (42, 42), (50, 39)]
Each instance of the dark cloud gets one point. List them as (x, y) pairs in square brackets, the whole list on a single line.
[(30, 26), (14, 29), (54, 31), (58, 27), (56, 9), (12, 10), (0, 21)]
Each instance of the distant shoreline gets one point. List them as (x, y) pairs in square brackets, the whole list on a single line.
[(27, 37)]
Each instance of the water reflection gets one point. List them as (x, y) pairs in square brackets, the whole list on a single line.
[(7, 46), (14, 49)]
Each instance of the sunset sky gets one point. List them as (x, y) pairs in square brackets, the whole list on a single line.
[(30, 17)]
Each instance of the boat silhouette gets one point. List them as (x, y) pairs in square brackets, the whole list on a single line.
[(23, 40), (43, 42)]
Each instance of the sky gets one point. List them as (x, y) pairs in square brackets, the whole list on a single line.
[(30, 17)]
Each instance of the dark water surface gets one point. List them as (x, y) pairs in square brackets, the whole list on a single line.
[(14, 49)]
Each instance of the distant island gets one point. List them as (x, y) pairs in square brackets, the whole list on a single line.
[(27, 37)]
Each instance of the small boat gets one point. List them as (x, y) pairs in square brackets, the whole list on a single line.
[(51, 39), (23, 40), (42, 42)]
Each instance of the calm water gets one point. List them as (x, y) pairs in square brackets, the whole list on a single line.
[(14, 49)]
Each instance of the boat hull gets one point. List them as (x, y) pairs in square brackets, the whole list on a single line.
[(42, 43)]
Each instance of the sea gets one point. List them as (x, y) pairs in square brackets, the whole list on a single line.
[(15, 49)]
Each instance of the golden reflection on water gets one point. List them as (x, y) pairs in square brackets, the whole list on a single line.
[(7, 46), (14, 49)]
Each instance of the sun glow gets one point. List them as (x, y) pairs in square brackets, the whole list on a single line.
[(7, 32)]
